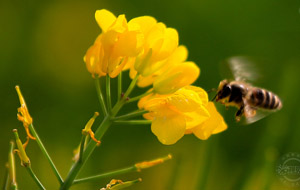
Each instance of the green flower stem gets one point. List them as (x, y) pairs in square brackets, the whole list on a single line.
[(6, 178), (131, 86), (119, 86), (11, 166), (36, 180), (98, 134), (134, 122), (43, 149), (82, 144), (108, 95), (130, 115), (100, 95), (86, 154), (108, 174), (123, 100), (139, 97)]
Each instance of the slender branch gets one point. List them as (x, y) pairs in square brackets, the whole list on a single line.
[(108, 174), (123, 100), (131, 86), (100, 95), (98, 134), (134, 122), (108, 95), (119, 86), (86, 154), (134, 168), (139, 97), (130, 115), (82, 144), (6, 178), (43, 149), (36, 180), (11, 166)]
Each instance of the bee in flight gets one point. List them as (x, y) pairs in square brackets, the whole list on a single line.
[(248, 99)]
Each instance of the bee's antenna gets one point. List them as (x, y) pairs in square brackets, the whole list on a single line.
[(214, 97)]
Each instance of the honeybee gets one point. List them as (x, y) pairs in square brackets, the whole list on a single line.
[(241, 94)]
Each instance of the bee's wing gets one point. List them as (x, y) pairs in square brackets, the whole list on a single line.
[(259, 114), (240, 68)]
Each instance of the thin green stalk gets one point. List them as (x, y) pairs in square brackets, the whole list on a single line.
[(108, 95), (82, 144), (43, 149), (100, 95), (134, 122), (119, 86), (12, 167), (130, 115), (139, 97), (98, 134), (108, 174), (86, 154), (131, 87), (36, 180), (123, 100), (6, 178)]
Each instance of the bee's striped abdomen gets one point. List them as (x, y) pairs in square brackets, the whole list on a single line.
[(264, 99)]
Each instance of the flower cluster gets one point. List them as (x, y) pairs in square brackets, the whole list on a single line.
[(151, 52)]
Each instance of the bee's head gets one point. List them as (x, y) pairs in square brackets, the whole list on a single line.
[(224, 91)]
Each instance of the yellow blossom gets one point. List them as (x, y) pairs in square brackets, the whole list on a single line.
[(214, 124), (114, 46), (177, 76), (175, 73), (23, 113), (160, 43), (180, 113)]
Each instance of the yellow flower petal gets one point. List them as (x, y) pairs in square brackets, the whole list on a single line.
[(94, 59), (196, 117), (145, 23), (201, 93), (169, 44), (180, 55), (129, 44), (119, 25), (214, 124), (145, 81), (163, 41), (176, 77), (104, 19), (185, 100), (169, 127)]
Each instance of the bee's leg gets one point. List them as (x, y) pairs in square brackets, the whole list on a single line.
[(239, 113), (249, 111)]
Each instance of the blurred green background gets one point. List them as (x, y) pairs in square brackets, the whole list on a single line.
[(42, 48)]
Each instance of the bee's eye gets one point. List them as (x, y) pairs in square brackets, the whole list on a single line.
[(226, 91)]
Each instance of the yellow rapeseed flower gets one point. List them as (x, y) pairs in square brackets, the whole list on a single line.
[(175, 73), (160, 42), (183, 112), (114, 46)]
